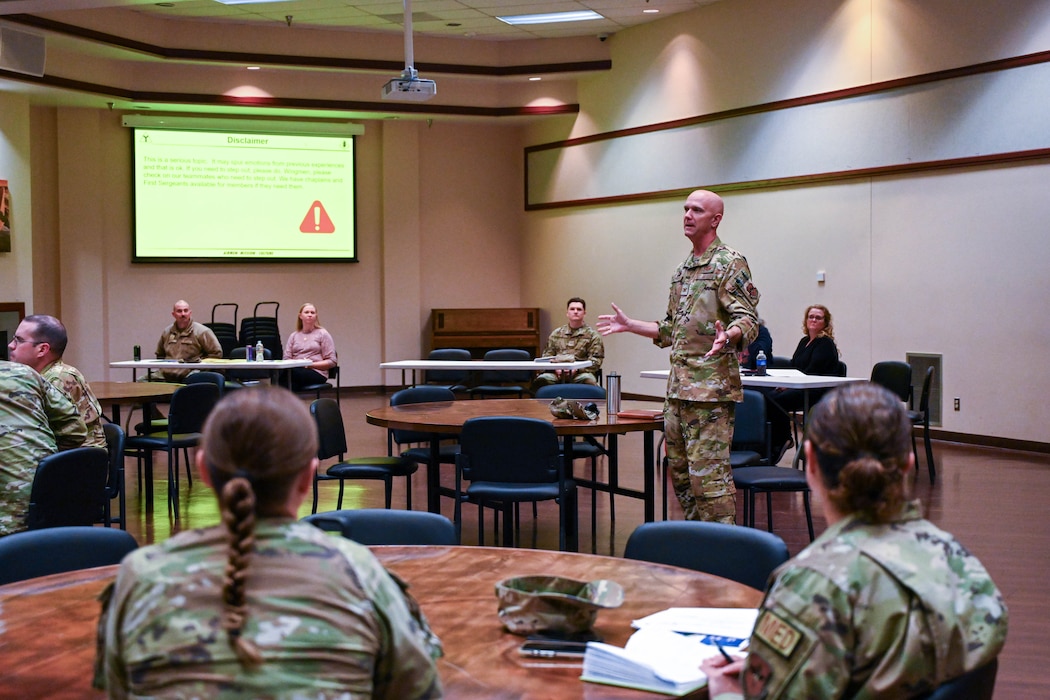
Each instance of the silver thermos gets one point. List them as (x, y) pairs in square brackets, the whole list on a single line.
[(612, 393)]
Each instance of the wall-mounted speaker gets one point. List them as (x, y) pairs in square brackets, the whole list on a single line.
[(22, 52)]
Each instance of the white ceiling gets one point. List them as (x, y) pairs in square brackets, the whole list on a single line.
[(453, 18)]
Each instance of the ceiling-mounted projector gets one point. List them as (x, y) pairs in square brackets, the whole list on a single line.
[(411, 88)]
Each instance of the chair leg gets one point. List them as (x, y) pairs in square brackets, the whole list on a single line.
[(408, 491), (388, 485), (339, 501), (314, 509), (173, 481), (809, 515), (929, 453), (769, 511)]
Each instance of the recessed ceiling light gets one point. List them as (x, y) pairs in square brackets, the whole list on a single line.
[(535, 77), (650, 12), (252, 67), (551, 17)]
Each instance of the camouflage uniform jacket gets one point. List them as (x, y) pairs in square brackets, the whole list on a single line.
[(715, 286), (583, 343), (36, 420), (192, 345), (69, 379), (874, 611), (328, 619)]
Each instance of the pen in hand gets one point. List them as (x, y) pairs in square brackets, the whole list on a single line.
[(725, 654)]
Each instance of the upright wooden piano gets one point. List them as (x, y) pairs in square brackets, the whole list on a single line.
[(480, 330)]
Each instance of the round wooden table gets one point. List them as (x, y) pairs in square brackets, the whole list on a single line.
[(444, 418), (47, 625)]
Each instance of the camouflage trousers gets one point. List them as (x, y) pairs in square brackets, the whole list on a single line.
[(698, 436), (548, 378)]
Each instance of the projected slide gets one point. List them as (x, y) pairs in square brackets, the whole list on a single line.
[(221, 196)]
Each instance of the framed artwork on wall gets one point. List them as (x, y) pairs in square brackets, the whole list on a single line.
[(5, 217)]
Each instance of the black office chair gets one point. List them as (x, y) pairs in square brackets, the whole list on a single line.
[(750, 444), (503, 382), (741, 554), (506, 460), (770, 480), (69, 488), (589, 447), (240, 378), (420, 453), (318, 387), (922, 417), (455, 380), (26, 555), (190, 406), (978, 684), (376, 526), (332, 443), (115, 481), (895, 376)]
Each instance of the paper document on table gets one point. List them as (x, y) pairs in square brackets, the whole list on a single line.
[(654, 659), (726, 622)]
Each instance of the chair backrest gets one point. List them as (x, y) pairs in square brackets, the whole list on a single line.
[(115, 447), (779, 362), (570, 391), (69, 488), (190, 406), (895, 376), (497, 376), (241, 352), (924, 397), (377, 526), (331, 434), (417, 394), (750, 429), (448, 376), (509, 449), (977, 684), (743, 554), (208, 378), (26, 555), (842, 370)]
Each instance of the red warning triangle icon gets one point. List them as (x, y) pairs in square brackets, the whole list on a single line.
[(316, 220)]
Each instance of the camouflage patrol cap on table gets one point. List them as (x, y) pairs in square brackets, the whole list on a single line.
[(531, 604), (571, 408)]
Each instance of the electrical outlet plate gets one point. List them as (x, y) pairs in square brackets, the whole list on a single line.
[(957, 402)]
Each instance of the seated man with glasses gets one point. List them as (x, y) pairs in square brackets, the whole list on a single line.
[(40, 342)]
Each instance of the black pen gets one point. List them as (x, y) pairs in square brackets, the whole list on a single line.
[(725, 654)]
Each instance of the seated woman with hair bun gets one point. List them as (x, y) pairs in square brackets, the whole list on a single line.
[(884, 604), (263, 606)]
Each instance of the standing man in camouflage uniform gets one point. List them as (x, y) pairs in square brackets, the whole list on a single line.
[(710, 315), (184, 340), (577, 339), (882, 605), (44, 341), (36, 420)]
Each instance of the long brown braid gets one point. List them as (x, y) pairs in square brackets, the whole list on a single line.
[(861, 436), (256, 443)]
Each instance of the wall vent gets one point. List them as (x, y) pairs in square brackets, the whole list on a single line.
[(919, 362)]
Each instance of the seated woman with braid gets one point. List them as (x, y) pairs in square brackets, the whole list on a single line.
[(263, 606), (884, 604)]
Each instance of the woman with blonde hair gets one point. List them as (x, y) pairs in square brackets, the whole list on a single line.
[(882, 605), (263, 605), (310, 341)]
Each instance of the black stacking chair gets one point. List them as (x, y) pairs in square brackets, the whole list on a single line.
[(332, 443), (25, 555), (455, 380), (922, 417), (506, 460), (895, 376), (115, 481), (69, 488), (376, 526), (741, 554), (503, 382)]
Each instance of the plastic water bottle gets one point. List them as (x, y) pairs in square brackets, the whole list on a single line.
[(260, 352), (249, 353), (760, 363)]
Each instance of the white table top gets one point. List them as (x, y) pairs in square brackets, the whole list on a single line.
[(778, 378), (483, 364), (211, 364)]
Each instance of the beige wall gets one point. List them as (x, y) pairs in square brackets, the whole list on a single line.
[(951, 262), (416, 215)]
